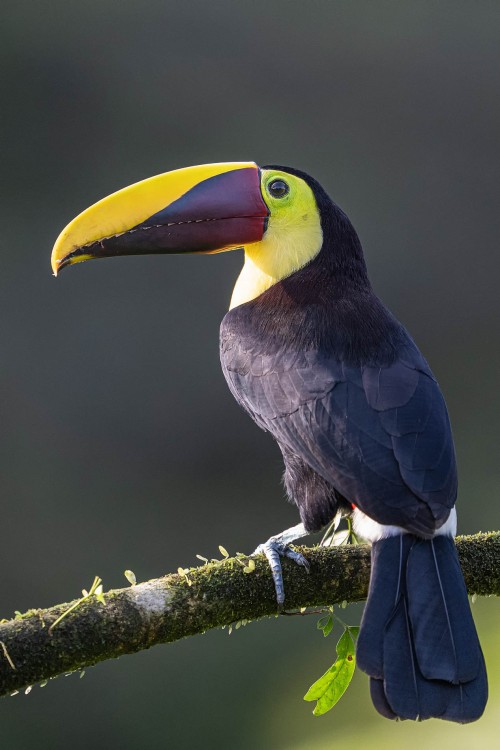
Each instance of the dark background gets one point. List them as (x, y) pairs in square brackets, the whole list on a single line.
[(121, 445)]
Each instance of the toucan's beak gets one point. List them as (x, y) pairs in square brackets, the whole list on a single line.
[(205, 209)]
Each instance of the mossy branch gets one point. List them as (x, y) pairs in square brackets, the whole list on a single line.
[(176, 606)]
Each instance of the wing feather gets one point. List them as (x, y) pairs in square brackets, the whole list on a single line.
[(379, 434)]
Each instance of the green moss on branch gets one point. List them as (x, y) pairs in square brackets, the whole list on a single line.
[(177, 606)]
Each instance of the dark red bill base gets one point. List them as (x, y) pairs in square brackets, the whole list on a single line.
[(222, 212)]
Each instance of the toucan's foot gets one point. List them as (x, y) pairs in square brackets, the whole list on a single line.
[(277, 547)]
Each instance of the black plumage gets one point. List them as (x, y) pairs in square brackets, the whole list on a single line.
[(321, 364), (417, 640)]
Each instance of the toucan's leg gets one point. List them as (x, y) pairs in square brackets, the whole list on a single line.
[(278, 546)]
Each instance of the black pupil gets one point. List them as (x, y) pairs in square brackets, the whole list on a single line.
[(278, 188)]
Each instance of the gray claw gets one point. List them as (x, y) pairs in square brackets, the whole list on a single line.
[(273, 549), (297, 557)]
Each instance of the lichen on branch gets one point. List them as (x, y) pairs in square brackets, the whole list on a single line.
[(42, 643)]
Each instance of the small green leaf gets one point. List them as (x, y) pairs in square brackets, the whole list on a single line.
[(130, 576), (223, 551), (328, 627), (333, 684), (99, 594), (250, 567)]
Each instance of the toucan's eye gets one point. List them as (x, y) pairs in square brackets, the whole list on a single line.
[(278, 188)]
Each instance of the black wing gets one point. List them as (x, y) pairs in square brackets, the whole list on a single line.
[(380, 435)]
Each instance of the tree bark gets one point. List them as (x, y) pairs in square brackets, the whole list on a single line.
[(216, 594)]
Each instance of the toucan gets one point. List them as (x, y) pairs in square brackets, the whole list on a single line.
[(318, 361)]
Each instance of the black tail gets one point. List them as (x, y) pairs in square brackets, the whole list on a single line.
[(417, 640)]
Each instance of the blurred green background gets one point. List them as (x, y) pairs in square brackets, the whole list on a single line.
[(121, 445)]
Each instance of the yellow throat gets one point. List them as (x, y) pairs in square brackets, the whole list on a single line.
[(292, 239)]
